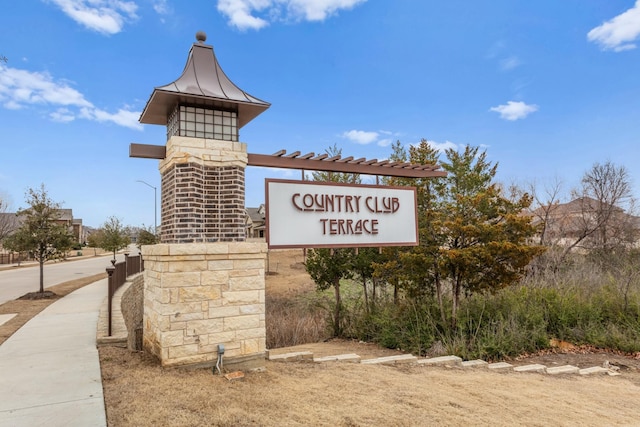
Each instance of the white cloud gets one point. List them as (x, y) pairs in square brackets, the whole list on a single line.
[(510, 63), (103, 16), (241, 13), (368, 137), (22, 88), (360, 136), (319, 10), (514, 110), (62, 115), (161, 7), (124, 118), (620, 32), (443, 146)]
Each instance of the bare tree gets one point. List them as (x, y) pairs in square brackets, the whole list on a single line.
[(599, 215), (546, 211), (8, 221)]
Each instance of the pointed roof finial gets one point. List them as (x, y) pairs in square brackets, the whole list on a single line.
[(202, 83), (201, 36)]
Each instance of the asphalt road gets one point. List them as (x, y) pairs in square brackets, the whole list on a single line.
[(15, 282)]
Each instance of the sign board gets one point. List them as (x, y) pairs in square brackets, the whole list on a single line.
[(310, 214)]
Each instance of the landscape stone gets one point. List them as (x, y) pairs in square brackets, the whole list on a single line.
[(531, 368), (474, 364), (442, 361), (390, 360), (593, 370), (351, 357), (499, 366), (566, 369)]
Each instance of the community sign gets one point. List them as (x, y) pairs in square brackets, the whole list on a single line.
[(305, 214)]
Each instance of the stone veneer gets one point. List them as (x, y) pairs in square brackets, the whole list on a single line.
[(199, 295), (203, 191)]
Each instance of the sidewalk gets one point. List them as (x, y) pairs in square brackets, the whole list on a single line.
[(50, 370)]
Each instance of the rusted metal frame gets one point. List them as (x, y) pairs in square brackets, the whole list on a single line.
[(147, 151), (345, 159), (321, 162), (328, 165)]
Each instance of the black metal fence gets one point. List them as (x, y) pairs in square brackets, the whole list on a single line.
[(13, 258), (118, 273)]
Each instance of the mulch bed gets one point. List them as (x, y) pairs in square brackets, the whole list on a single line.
[(39, 295)]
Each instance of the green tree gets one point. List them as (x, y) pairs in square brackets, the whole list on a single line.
[(41, 234), (146, 237), (416, 269), (95, 239), (472, 237), (341, 177), (326, 268), (115, 236), (362, 267)]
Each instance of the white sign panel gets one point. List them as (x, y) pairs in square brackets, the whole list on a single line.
[(313, 214)]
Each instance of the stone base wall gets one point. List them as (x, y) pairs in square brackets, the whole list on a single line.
[(132, 305), (200, 295)]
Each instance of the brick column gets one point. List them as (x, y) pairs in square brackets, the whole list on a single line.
[(203, 191)]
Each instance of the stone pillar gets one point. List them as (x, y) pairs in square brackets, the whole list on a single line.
[(203, 191), (204, 285), (200, 295)]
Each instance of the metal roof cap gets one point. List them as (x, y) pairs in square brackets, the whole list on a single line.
[(202, 83)]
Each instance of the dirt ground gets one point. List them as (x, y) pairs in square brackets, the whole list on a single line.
[(140, 393)]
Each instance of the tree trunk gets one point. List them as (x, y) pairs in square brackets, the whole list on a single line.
[(373, 291), (337, 314), (456, 299), (366, 295), (41, 261), (395, 292), (439, 296)]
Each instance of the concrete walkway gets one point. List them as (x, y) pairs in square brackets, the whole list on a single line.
[(50, 369)]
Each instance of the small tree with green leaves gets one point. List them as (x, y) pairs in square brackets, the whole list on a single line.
[(326, 268), (41, 233), (114, 236), (95, 239), (472, 237), (146, 237)]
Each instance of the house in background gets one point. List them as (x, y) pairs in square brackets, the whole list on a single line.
[(585, 223), (256, 222), (9, 222)]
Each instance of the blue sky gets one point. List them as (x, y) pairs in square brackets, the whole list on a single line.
[(547, 87)]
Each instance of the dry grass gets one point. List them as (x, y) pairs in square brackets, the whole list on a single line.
[(293, 321), (138, 392), (292, 317)]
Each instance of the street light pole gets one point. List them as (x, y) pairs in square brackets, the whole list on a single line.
[(155, 205)]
